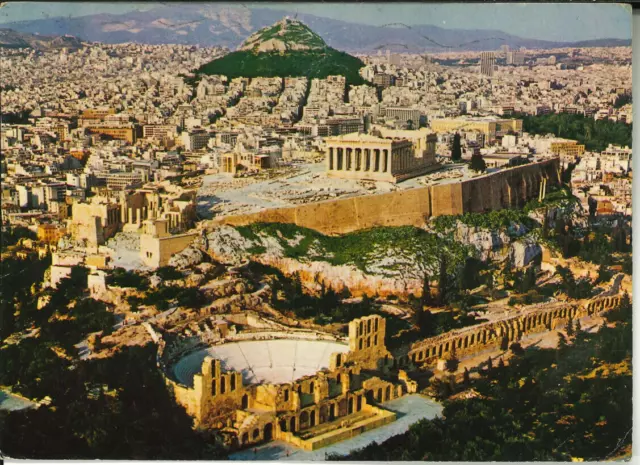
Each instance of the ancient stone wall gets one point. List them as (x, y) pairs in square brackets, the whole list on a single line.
[(511, 187), (486, 336)]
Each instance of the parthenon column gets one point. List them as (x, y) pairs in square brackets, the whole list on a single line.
[(387, 160)]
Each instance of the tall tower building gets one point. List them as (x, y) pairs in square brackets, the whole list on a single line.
[(487, 63)]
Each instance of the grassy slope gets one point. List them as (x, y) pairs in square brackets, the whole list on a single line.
[(362, 249)]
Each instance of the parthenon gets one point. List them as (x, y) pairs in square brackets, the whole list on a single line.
[(365, 156)]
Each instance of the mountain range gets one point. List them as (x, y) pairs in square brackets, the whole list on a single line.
[(229, 26), (13, 39)]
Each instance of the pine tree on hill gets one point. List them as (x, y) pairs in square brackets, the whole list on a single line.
[(478, 164), (456, 148)]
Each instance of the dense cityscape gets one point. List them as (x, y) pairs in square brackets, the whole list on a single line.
[(288, 252)]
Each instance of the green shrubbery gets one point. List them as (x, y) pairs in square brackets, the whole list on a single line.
[(314, 64), (120, 277), (595, 135), (494, 220), (364, 248)]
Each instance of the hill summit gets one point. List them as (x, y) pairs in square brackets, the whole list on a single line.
[(286, 34), (288, 48)]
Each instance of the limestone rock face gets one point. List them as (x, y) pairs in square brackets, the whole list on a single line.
[(190, 256), (524, 252), (568, 211), (194, 280), (286, 34), (155, 281), (228, 246), (491, 244)]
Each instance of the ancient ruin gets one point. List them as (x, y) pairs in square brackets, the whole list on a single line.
[(258, 395)]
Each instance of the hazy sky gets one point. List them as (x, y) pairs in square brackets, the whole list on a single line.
[(562, 22)]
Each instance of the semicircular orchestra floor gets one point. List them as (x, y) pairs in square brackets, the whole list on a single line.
[(273, 361)]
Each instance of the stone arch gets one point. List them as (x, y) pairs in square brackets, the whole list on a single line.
[(267, 434), (283, 425), (245, 438), (323, 414), (256, 434), (343, 408), (303, 420)]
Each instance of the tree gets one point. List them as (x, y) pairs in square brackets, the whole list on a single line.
[(443, 280), (569, 329), (604, 275), (516, 348), (452, 362), (507, 273), (456, 148), (545, 224), (426, 291), (477, 163)]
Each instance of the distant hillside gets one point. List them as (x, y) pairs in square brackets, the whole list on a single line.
[(287, 48), (13, 39), (228, 26)]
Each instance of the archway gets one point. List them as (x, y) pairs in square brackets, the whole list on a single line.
[(304, 420), (283, 425), (388, 393), (268, 432), (292, 424), (323, 416), (342, 408), (245, 402), (245, 438), (312, 419), (256, 434), (332, 411)]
